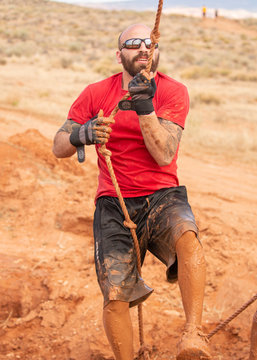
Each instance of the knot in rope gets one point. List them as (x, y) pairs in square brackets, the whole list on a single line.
[(155, 36), (130, 224)]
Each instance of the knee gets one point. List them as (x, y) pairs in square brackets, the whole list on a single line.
[(188, 245), (116, 307)]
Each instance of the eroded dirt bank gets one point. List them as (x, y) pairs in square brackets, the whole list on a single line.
[(50, 305)]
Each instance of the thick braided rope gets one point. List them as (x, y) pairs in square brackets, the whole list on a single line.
[(155, 35), (236, 313)]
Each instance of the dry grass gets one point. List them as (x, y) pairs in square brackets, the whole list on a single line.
[(50, 51)]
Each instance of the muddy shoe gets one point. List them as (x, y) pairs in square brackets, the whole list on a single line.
[(193, 344)]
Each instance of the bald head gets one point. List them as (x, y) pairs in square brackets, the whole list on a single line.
[(135, 58), (134, 31)]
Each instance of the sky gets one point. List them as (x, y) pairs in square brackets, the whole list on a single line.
[(228, 8), (227, 4)]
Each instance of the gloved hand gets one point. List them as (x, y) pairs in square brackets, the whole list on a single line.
[(142, 90), (94, 131)]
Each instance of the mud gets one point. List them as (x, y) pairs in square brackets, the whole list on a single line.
[(51, 305)]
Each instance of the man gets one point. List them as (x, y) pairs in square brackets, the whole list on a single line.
[(144, 144)]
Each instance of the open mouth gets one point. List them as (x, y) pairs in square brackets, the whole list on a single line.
[(142, 60)]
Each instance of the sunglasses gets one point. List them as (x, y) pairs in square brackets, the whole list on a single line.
[(135, 43)]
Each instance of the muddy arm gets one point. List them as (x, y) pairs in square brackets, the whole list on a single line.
[(161, 137), (62, 147)]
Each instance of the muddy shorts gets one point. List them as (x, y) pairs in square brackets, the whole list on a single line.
[(161, 219)]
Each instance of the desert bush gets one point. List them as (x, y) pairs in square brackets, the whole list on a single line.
[(224, 72), (198, 72), (188, 58), (66, 62), (243, 37), (3, 61), (244, 76), (175, 39), (76, 47), (107, 66), (44, 94), (26, 49), (224, 39), (205, 98)]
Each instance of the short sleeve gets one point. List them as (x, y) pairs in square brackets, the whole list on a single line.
[(81, 109), (173, 104)]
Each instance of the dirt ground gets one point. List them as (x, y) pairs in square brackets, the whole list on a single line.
[(50, 302)]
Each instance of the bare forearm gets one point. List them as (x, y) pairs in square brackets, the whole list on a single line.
[(161, 137), (62, 147)]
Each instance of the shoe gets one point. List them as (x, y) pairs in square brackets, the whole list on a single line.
[(193, 344)]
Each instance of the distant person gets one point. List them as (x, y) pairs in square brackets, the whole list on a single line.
[(204, 12), (144, 144), (216, 14), (253, 350)]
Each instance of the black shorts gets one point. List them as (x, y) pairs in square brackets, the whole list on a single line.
[(161, 219)]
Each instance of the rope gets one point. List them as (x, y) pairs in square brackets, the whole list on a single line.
[(155, 35), (236, 313)]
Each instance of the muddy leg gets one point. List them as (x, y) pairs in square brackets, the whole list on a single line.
[(191, 277), (118, 328), (253, 351)]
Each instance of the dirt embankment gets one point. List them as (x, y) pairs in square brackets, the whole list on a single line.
[(50, 305)]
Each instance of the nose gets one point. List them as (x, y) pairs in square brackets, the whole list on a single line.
[(143, 47)]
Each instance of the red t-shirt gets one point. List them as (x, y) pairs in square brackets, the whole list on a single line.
[(137, 173)]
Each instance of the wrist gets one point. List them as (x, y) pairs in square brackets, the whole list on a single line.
[(80, 135), (144, 106), (75, 138), (147, 116)]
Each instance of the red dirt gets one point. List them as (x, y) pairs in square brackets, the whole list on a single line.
[(50, 303)]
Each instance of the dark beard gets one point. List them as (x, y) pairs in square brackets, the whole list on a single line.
[(132, 68)]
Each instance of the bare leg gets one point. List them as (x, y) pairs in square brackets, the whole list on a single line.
[(118, 328), (253, 351), (191, 276)]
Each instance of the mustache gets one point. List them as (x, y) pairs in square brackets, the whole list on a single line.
[(141, 54)]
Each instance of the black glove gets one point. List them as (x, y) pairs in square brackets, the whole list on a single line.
[(93, 131), (142, 91)]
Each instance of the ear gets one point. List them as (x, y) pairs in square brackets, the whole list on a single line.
[(118, 56)]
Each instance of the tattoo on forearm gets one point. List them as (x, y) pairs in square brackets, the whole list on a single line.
[(68, 126), (175, 133)]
